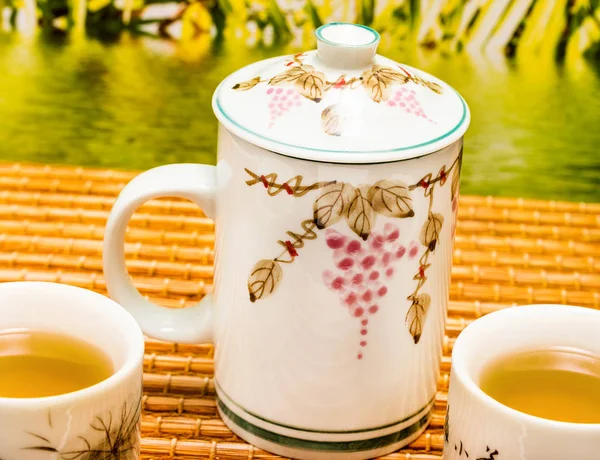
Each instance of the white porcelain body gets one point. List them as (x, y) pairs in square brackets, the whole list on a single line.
[(335, 197), (291, 372), (482, 428), (102, 419)]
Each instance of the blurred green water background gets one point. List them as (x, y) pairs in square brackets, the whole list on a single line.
[(133, 101)]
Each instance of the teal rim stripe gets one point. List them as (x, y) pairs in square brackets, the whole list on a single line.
[(311, 149), (319, 34), (328, 446), (308, 430)]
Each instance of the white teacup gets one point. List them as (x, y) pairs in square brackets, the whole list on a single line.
[(101, 421), (479, 427)]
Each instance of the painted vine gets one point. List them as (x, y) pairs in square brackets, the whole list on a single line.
[(359, 208), (429, 237), (306, 81)]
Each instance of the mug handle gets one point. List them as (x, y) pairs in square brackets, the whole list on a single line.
[(192, 181)]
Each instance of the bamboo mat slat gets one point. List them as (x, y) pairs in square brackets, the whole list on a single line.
[(508, 252)]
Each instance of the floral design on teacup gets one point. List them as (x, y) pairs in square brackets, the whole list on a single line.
[(357, 206), (303, 80), (459, 450), (116, 437)]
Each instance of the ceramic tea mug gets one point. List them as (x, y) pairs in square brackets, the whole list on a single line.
[(479, 427), (100, 421), (334, 197)]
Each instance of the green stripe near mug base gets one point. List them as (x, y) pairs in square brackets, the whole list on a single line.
[(244, 411), (325, 446)]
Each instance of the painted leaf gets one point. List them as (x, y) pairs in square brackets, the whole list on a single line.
[(264, 278), (378, 80), (44, 448), (416, 315), (311, 85), (391, 198), (291, 75), (427, 84), (333, 120), (456, 177), (246, 85), (434, 87), (361, 215), (455, 183), (430, 233), (332, 204)]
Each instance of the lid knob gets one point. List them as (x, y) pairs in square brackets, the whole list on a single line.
[(347, 46)]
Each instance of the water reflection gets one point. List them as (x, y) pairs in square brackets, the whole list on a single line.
[(140, 102)]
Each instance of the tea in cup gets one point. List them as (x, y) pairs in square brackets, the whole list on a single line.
[(525, 385), (35, 364)]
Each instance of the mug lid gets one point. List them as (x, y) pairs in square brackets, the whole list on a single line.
[(341, 103)]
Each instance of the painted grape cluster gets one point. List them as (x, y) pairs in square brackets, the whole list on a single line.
[(363, 269), (405, 99), (281, 101)]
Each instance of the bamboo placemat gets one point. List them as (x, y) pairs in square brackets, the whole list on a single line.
[(507, 252)]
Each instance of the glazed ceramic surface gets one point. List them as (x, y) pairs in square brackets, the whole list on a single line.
[(477, 426), (341, 103), (101, 421), (333, 248)]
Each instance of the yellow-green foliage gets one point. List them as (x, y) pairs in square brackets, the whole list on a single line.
[(546, 28)]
